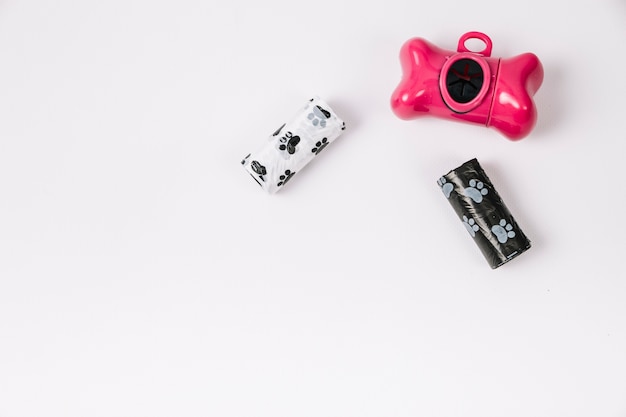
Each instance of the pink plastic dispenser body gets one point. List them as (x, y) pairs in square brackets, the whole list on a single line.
[(468, 86)]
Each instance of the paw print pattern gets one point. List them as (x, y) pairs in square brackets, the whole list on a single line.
[(470, 225), (291, 144), (288, 143), (259, 169), (476, 190), (319, 145), (446, 187), (503, 231), (285, 177), (318, 116)]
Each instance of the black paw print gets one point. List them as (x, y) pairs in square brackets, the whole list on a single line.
[(319, 145), (319, 116), (290, 145), (285, 177), (259, 169)]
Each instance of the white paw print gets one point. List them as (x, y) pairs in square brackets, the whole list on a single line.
[(446, 187), (476, 190), (470, 225), (503, 231)]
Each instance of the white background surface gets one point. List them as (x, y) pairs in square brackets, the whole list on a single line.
[(143, 273)]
